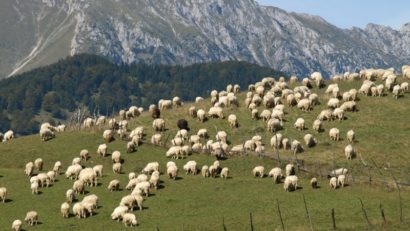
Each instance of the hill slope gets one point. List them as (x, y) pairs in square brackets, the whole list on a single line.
[(35, 33), (197, 203)]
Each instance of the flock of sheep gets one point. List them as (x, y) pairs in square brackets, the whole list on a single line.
[(273, 95)]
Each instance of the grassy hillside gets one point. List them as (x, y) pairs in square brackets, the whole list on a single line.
[(196, 203)]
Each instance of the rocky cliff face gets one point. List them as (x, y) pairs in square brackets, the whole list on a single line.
[(191, 31)]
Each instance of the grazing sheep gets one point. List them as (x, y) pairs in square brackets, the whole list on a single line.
[(334, 134), (156, 139), (84, 154), (116, 168), (304, 104), (164, 104), (404, 86), (79, 210), (221, 136), (290, 170), (216, 112), (333, 182), (176, 101), (190, 167), (108, 136), (333, 103), (300, 124), (313, 182), (151, 167), (65, 209), (131, 147), (78, 187), (34, 187), (349, 106), (338, 172), (380, 90), (174, 152), (154, 179), (114, 185), (29, 169), (310, 141), (16, 225), (274, 125), (155, 113), (397, 91), (69, 195), (276, 140), (192, 112), (51, 176), (9, 135), (118, 212), (129, 219), (350, 136), (46, 134), (296, 146), (291, 183), (172, 171), (3, 194), (57, 167), (158, 125), (224, 173), (254, 114), (199, 99), (233, 122), (317, 125), (338, 113), (258, 171), (201, 115), (76, 160), (98, 170), (286, 143), (341, 180), (31, 218), (325, 115), (102, 150), (205, 171), (38, 164), (276, 174), (349, 152), (116, 157)]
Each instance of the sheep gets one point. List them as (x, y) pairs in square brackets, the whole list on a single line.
[(84, 155), (16, 225), (325, 115), (205, 171), (199, 99), (46, 134), (116, 168), (313, 182), (224, 173), (78, 187), (29, 169), (216, 112), (404, 86), (341, 180), (176, 101), (34, 187), (290, 170), (31, 218), (118, 212), (291, 183), (274, 125), (164, 104), (333, 103), (57, 167), (334, 134), (79, 210), (108, 136), (276, 140), (76, 160), (190, 167), (174, 151), (154, 179), (129, 219), (300, 124), (192, 112), (333, 182), (158, 124), (88, 176), (338, 172), (65, 209), (350, 136), (151, 167), (38, 164), (349, 106), (349, 152), (317, 125), (310, 141), (338, 113), (276, 174), (236, 88), (233, 123), (144, 186), (172, 171), (304, 105), (258, 171), (98, 170), (296, 146), (70, 195), (43, 179), (102, 150), (201, 115), (221, 136), (114, 185), (286, 143), (116, 157), (51, 175), (397, 91), (3, 194), (9, 135)]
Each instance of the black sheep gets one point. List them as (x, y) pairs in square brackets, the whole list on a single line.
[(156, 113), (183, 124)]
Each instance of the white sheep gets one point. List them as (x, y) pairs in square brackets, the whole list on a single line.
[(114, 185), (158, 124), (350, 136), (304, 105), (290, 183), (349, 106), (57, 167), (51, 176), (290, 170), (274, 125), (201, 115), (154, 179), (34, 187), (221, 136), (333, 103), (118, 212), (46, 134), (31, 218), (108, 135), (172, 171), (9, 135), (29, 169), (397, 91), (76, 160), (190, 167), (333, 182), (334, 134), (3, 194), (338, 113), (216, 112), (98, 170), (84, 155), (259, 171), (203, 133), (78, 187), (70, 195), (116, 168), (313, 182), (296, 146), (164, 104), (325, 115), (276, 140), (129, 219), (38, 164), (65, 209), (16, 225), (233, 122), (151, 167), (224, 173), (102, 150), (174, 152), (79, 210), (404, 86), (349, 152), (310, 141), (276, 174), (205, 171), (300, 124), (192, 111), (286, 143), (116, 157)]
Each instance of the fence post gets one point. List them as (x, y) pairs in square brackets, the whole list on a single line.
[(364, 213), (333, 218), (400, 201), (382, 212), (280, 216), (250, 219), (223, 224), (307, 213)]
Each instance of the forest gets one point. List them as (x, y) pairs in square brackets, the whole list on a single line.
[(51, 93)]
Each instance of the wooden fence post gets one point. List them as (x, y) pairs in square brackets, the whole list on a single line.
[(365, 213), (382, 213), (307, 213), (400, 201), (333, 218), (250, 219), (280, 216)]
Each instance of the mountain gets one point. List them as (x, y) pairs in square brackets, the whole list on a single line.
[(100, 87), (39, 32)]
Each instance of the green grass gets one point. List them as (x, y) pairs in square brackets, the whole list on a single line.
[(195, 203)]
